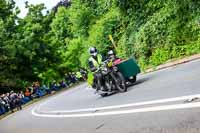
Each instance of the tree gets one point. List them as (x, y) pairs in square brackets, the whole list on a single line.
[(8, 18), (64, 3)]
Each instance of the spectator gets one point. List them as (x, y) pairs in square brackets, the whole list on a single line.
[(13, 96), (18, 101), (46, 89), (30, 88), (36, 90), (28, 94), (27, 97), (84, 74), (79, 75), (7, 101), (62, 84), (54, 86), (12, 100), (2, 106), (21, 95), (67, 79), (73, 78)]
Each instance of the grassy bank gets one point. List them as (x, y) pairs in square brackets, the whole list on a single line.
[(163, 55)]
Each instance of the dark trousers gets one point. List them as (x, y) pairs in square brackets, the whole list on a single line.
[(18, 104), (98, 81)]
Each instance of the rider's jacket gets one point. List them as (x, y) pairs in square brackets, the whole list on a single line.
[(94, 63)]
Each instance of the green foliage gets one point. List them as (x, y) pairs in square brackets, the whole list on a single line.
[(161, 55), (81, 15), (26, 53), (153, 33), (61, 26), (7, 28), (71, 57), (46, 46), (49, 76), (104, 26), (143, 63), (33, 53)]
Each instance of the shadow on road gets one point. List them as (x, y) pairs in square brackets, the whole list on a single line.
[(138, 82), (130, 87)]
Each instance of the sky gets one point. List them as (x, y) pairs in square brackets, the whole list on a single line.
[(21, 4)]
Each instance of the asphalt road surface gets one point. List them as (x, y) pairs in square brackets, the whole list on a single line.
[(157, 103)]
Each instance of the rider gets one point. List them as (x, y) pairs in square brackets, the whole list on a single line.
[(95, 61), (112, 56)]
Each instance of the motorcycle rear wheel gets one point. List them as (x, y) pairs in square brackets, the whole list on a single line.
[(120, 82)]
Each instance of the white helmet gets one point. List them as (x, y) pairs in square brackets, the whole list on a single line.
[(110, 52)]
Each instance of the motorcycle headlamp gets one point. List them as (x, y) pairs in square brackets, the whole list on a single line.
[(105, 69)]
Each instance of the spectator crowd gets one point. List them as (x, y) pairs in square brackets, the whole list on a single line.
[(12, 101)]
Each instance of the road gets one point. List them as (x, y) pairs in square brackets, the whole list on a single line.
[(157, 103)]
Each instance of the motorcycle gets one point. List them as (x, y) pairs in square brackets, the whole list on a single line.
[(112, 80)]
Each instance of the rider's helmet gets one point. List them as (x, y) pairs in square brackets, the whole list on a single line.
[(93, 51), (110, 53)]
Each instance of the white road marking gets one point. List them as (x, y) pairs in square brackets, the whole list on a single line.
[(127, 111), (129, 105), (130, 111)]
